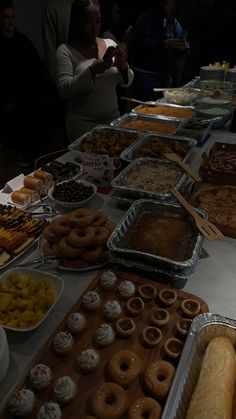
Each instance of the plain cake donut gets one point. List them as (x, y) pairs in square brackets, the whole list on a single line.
[(109, 401), (99, 219), (81, 237), (158, 378), (81, 217), (124, 367), (145, 407)]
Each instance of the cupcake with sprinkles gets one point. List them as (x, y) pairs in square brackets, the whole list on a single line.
[(88, 360), (50, 410), (64, 389), (91, 300), (76, 322), (63, 342), (108, 280), (40, 376), (22, 402)]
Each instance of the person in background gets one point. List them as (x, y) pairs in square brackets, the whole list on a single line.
[(20, 86), (158, 50), (85, 76)]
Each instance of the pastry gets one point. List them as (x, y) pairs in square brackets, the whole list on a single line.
[(109, 401), (183, 326), (126, 289), (108, 280), (22, 402), (63, 342), (158, 378), (64, 389), (104, 335), (50, 410), (173, 347), (135, 306), (167, 296), (190, 307), (112, 309), (88, 360), (40, 376), (151, 335), (159, 317), (147, 292), (76, 322), (144, 407), (124, 367), (91, 300), (125, 327)]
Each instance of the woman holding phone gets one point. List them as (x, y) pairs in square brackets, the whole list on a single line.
[(87, 75)]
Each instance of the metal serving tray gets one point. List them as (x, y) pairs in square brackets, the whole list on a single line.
[(129, 153), (132, 116), (134, 193), (198, 134), (166, 105), (204, 327), (222, 86), (184, 268)]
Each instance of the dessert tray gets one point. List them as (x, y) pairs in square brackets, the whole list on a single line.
[(148, 344)]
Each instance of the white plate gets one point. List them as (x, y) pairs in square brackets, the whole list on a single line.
[(72, 205), (56, 283)]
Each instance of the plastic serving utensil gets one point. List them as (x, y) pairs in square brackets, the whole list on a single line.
[(209, 230), (173, 157)]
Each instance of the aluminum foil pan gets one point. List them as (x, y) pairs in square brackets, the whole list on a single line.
[(134, 193), (129, 153), (132, 116), (168, 105), (204, 327), (114, 243), (221, 86)]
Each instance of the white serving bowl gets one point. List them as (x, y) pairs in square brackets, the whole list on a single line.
[(223, 114), (56, 283), (182, 96), (4, 353), (72, 205)]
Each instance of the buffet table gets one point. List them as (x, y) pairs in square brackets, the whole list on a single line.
[(213, 280)]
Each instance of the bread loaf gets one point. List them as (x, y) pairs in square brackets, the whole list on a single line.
[(33, 194), (32, 182), (46, 177), (213, 395), (20, 198)]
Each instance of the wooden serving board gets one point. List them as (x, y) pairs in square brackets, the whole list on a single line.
[(87, 383)]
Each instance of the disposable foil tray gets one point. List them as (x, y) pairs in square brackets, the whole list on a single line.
[(184, 268), (171, 106), (172, 141), (163, 120), (135, 193), (204, 327)]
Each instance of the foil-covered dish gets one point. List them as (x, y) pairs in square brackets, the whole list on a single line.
[(217, 85), (203, 329), (149, 178), (147, 123), (158, 233), (165, 109), (155, 145)]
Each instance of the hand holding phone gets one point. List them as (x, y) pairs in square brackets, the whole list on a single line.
[(110, 52)]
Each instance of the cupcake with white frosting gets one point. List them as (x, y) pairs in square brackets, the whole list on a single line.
[(22, 402), (88, 360), (63, 342), (112, 309), (126, 289), (104, 335), (64, 389), (50, 410), (40, 376), (91, 300), (76, 322), (108, 280)]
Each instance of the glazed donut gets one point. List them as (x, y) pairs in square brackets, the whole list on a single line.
[(59, 226), (92, 254), (145, 407), (109, 401), (81, 237), (99, 219), (124, 367), (47, 249), (67, 250), (81, 217), (101, 235), (49, 235), (158, 378)]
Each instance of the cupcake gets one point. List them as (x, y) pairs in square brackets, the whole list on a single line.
[(22, 402), (76, 322), (104, 335), (40, 376), (91, 300), (126, 289), (112, 309), (63, 342), (108, 280), (64, 389), (50, 410), (88, 360)]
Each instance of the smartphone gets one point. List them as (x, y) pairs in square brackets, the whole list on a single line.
[(110, 52)]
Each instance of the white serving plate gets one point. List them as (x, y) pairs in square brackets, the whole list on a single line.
[(4, 353), (72, 205), (56, 283)]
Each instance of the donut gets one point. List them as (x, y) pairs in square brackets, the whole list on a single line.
[(49, 235), (158, 378), (145, 407), (56, 249), (99, 219), (109, 401), (124, 367), (101, 235), (81, 237), (67, 250), (92, 254), (81, 217), (167, 296), (47, 249), (59, 226)]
